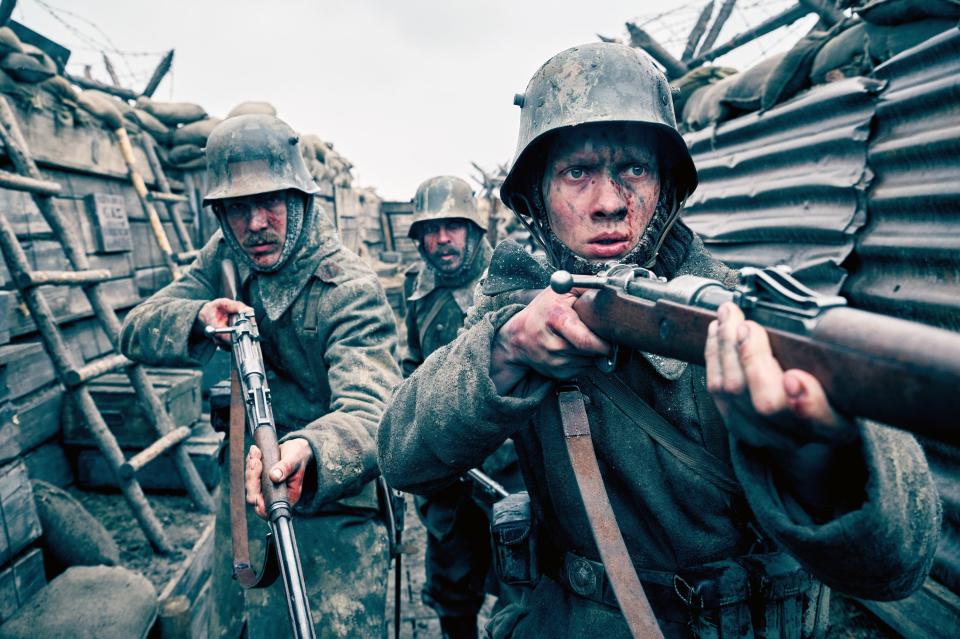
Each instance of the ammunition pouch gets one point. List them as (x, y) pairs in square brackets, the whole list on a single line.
[(514, 541), (766, 595)]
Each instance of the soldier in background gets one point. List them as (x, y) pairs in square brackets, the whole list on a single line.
[(439, 290), (328, 340)]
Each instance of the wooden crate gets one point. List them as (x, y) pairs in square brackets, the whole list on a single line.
[(30, 421), (19, 581), (179, 389), (23, 369), (161, 474), (21, 525), (185, 600), (49, 463)]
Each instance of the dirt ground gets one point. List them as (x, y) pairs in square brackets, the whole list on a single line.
[(181, 521)]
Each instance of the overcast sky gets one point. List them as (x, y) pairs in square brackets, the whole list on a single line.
[(405, 89)]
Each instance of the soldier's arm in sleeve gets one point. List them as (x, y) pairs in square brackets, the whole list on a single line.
[(359, 339), (448, 416), (163, 330), (881, 543)]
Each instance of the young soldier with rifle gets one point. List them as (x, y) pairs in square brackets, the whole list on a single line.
[(666, 498), (328, 342)]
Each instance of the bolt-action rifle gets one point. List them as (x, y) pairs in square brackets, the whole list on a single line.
[(250, 403), (897, 372)]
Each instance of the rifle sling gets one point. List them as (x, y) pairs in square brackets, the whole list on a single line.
[(616, 560), (243, 571), (685, 450)]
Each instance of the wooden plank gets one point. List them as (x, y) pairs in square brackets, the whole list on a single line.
[(24, 368), (49, 463), (195, 568), (8, 303), (932, 611), (20, 581), (179, 390), (35, 419), (21, 525)]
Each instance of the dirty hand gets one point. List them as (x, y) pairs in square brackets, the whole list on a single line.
[(216, 313), (295, 455), (547, 337), (763, 405)]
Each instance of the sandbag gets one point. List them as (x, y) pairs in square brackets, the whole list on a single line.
[(252, 108), (172, 113), (87, 602), (27, 68), (9, 42), (102, 108), (184, 153), (61, 87), (885, 42), (71, 535), (843, 56), (893, 12), (195, 133), (745, 92), (792, 74), (8, 84), (150, 124), (699, 77)]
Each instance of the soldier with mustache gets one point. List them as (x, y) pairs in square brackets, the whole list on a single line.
[(449, 233), (329, 345), (721, 479)]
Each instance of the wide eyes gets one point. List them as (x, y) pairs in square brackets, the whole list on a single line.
[(575, 173), (637, 171)]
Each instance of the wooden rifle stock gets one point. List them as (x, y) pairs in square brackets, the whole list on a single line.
[(893, 371)]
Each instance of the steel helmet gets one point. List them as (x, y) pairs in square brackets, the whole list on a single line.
[(441, 198), (592, 83), (251, 154)]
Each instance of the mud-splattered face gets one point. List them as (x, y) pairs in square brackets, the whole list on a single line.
[(259, 223), (601, 186), (445, 243)]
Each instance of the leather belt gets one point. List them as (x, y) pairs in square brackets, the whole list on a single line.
[(588, 579)]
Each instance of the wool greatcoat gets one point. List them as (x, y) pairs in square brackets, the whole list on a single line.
[(448, 416), (328, 339)]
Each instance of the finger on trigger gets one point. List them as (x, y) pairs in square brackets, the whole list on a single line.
[(572, 329)]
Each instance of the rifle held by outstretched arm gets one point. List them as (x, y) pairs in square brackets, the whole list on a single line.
[(250, 404), (893, 371)]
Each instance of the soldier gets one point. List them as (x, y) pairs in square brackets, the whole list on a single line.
[(439, 290), (328, 340), (599, 177)]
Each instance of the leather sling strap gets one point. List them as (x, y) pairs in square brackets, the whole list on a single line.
[(684, 449), (438, 304), (616, 560), (242, 570)]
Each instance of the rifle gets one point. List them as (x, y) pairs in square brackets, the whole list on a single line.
[(395, 505), (894, 371), (492, 489), (249, 389)]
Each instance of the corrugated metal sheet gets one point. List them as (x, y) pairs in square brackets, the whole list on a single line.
[(908, 257), (787, 186), (857, 180)]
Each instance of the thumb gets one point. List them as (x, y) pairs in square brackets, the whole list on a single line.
[(283, 469)]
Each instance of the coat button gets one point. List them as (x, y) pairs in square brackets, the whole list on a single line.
[(440, 327)]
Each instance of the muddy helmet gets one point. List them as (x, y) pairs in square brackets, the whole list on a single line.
[(593, 83), (251, 154), (442, 198)]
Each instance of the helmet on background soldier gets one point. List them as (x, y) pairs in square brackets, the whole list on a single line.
[(250, 155), (443, 198), (594, 84)]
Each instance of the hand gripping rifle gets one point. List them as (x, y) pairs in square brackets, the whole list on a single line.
[(250, 403), (897, 372)]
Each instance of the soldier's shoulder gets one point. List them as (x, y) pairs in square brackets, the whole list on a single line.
[(343, 266)]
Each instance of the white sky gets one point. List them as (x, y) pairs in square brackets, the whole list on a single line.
[(405, 89)]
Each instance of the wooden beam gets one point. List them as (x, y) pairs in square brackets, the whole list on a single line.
[(788, 17), (120, 92), (32, 185), (696, 33), (722, 16), (110, 70), (158, 74), (643, 40)]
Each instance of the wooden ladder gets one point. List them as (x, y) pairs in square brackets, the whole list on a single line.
[(75, 377)]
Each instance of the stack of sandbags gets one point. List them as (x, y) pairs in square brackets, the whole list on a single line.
[(324, 163), (180, 129)]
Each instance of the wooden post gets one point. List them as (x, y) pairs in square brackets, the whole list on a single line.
[(781, 20), (110, 70), (18, 152), (158, 74), (643, 40), (696, 33), (722, 16), (149, 147)]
